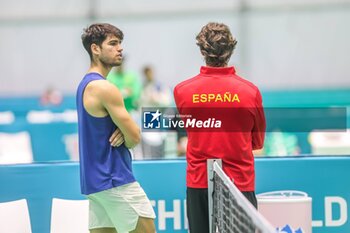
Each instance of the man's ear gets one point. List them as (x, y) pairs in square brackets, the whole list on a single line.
[(95, 49)]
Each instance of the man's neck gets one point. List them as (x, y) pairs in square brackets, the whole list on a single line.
[(222, 66), (100, 69)]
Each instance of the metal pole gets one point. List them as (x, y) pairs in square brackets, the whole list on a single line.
[(210, 173)]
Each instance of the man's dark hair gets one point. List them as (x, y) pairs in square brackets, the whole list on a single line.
[(216, 44), (97, 33), (146, 69)]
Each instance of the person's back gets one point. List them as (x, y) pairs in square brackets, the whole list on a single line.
[(230, 123), (210, 94)]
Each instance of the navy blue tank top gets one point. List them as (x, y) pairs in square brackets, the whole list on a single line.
[(102, 166)]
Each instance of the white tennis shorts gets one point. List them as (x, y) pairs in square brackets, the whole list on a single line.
[(119, 207)]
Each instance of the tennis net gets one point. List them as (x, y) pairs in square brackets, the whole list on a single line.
[(229, 210)]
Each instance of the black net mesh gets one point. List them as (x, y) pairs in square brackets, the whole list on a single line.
[(228, 215)]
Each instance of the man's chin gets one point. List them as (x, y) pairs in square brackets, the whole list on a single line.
[(116, 64)]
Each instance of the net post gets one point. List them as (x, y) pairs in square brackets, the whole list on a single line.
[(210, 173)]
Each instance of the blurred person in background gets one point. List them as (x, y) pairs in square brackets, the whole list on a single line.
[(117, 203), (51, 97), (129, 85), (182, 139), (234, 148), (278, 143), (153, 95)]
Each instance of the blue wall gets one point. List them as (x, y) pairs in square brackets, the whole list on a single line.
[(164, 182)]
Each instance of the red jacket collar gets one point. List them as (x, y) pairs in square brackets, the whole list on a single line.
[(208, 70)]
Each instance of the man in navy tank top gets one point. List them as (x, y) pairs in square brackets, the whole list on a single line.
[(117, 203)]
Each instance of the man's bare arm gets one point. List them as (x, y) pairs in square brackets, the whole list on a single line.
[(112, 100)]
